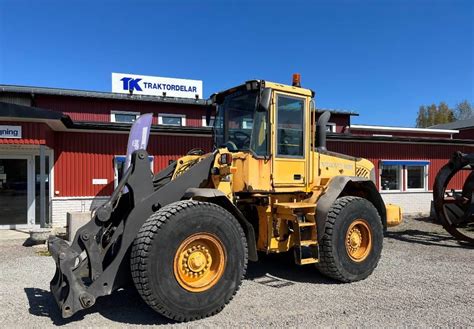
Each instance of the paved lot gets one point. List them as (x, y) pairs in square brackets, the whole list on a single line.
[(424, 279)]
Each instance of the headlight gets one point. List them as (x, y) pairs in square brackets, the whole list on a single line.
[(225, 158)]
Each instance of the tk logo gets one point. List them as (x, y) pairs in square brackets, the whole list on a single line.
[(131, 84)]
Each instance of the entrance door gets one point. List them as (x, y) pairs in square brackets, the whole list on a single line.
[(289, 161), (15, 195)]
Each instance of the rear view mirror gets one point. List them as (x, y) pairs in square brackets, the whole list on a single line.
[(265, 99), (209, 111)]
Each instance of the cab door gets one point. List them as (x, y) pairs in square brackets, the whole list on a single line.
[(289, 145)]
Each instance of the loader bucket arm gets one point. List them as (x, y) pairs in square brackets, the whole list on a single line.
[(97, 262)]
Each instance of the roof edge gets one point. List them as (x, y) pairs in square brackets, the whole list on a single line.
[(99, 94), (415, 130)]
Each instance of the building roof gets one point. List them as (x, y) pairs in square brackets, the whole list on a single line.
[(99, 94), (109, 95), (404, 129), (460, 124), (397, 139)]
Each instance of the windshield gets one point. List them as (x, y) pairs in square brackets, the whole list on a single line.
[(239, 126)]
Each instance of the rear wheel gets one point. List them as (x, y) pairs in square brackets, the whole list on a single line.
[(352, 242), (188, 259)]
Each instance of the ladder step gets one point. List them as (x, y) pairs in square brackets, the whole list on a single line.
[(307, 243), (306, 254), (306, 224), (305, 261)]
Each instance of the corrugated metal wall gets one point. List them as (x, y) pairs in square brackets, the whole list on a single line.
[(466, 134), (437, 154), (32, 134), (82, 157), (341, 120), (83, 109)]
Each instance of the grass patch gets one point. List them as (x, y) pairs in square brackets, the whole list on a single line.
[(44, 252)]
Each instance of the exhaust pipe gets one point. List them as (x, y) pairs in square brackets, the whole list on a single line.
[(321, 130)]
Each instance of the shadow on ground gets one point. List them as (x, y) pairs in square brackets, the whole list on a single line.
[(282, 268), (427, 238), (124, 306)]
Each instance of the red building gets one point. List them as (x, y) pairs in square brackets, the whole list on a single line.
[(82, 138)]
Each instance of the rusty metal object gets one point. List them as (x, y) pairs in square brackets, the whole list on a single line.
[(455, 209)]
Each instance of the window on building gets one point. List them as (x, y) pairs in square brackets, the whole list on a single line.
[(416, 177), (119, 163), (172, 119), (331, 127), (390, 177), (211, 121), (400, 175), (290, 126), (124, 116)]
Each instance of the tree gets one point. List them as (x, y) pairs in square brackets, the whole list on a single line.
[(432, 115), (422, 119), (463, 111), (444, 114)]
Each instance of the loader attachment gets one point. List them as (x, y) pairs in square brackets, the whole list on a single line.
[(455, 209), (97, 261)]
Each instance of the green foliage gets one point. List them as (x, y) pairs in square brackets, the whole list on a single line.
[(432, 115), (463, 111)]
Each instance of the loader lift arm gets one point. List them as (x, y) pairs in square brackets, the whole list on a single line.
[(89, 268)]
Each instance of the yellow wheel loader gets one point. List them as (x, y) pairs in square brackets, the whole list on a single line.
[(184, 235)]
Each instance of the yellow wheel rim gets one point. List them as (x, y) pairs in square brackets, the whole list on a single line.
[(199, 262), (358, 240)]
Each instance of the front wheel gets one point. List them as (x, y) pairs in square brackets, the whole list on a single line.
[(188, 259), (352, 242)]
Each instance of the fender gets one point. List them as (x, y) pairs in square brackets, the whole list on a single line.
[(345, 186), (219, 198)]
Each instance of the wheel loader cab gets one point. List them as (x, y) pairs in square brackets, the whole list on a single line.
[(268, 129)]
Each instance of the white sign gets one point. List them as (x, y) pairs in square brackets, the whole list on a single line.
[(10, 131), (155, 86), (99, 181)]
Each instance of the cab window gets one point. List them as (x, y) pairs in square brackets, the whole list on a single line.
[(290, 126)]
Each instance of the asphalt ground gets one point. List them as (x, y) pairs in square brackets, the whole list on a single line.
[(424, 279)]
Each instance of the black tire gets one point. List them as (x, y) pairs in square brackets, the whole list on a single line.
[(153, 254), (335, 261)]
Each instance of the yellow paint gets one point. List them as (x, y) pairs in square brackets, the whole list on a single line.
[(252, 174), (183, 163), (288, 89), (394, 215)]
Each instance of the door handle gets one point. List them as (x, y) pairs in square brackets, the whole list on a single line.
[(297, 176)]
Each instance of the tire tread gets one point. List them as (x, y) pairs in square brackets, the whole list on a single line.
[(327, 263)]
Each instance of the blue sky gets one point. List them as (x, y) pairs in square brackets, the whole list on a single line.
[(382, 59)]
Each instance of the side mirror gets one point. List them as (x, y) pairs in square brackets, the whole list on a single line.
[(265, 99), (209, 111)]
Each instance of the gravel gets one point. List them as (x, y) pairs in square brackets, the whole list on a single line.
[(424, 279)]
